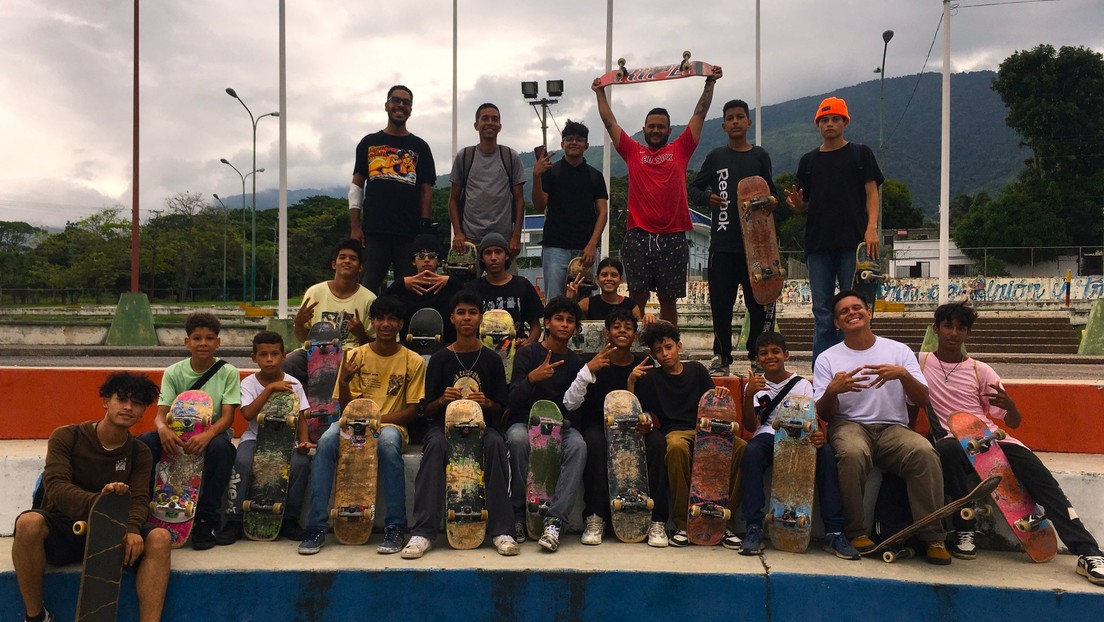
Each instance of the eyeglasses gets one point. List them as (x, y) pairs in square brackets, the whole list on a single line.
[(425, 255), (574, 139), (395, 99)]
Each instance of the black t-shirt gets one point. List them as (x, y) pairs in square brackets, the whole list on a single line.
[(674, 399), (413, 301), (518, 296), (523, 394), (612, 378), (395, 167), (598, 309), (482, 368), (571, 213), (834, 183), (720, 174)]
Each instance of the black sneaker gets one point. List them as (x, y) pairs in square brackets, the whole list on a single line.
[(962, 545), (291, 530), (230, 533), (203, 536), (519, 530), (680, 539), (45, 615), (1092, 568), (392, 540)]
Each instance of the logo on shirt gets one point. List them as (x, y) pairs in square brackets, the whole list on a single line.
[(120, 464), (722, 191), (386, 162), (648, 158)]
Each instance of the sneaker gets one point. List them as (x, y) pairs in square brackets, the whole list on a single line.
[(415, 548), (1092, 568), (962, 546), (595, 527), (230, 533), (551, 538), (657, 535), (731, 541), (753, 541), (312, 541), (203, 536), (46, 615), (937, 554), (717, 367), (838, 544), (681, 538), (519, 530), (392, 540), (291, 530), (863, 544), (506, 545)]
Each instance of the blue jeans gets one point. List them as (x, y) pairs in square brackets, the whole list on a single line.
[(555, 262), (826, 269), (759, 456), (392, 478), (572, 463)]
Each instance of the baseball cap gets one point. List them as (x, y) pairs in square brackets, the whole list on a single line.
[(493, 239), (832, 105)]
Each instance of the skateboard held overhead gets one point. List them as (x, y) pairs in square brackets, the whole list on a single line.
[(756, 214), (178, 477), (630, 502), (710, 472), (263, 507), (354, 508), (545, 450), (104, 549), (465, 513), (683, 69), (789, 519)]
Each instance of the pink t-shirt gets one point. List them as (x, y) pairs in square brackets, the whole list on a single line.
[(961, 387), (657, 183)]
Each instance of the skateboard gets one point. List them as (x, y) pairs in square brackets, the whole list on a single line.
[(710, 473), (756, 213), (263, 507), (323, 347), (462, 266), (868, 276), (178, 477), (545, 446), (893, 548), (791, 501), (426, 329), (1026, 519), (630, 503), (465, 515), (354, 509), (497, 331), (104, 547), (684, 69), (589, 284), (590, 336)]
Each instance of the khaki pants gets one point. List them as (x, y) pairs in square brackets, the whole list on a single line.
[(894, 448), (680, 447)]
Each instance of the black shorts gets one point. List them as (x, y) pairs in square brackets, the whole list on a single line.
[(62, 545), (656, 262)]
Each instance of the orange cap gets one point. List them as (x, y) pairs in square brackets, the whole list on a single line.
[(832, 105)]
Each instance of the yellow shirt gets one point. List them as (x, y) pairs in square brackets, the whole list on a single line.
[(333, 309), (392, 382)]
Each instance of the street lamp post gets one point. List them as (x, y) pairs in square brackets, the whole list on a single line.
[(529, 91), (225, 225), (253, 240), (886, 36), (244, 274)]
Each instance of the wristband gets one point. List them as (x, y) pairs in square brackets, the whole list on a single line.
[(356, 196)]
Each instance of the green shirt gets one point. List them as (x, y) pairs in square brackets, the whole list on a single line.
[(224, 387)]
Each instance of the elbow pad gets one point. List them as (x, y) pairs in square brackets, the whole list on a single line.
[(356, 196)]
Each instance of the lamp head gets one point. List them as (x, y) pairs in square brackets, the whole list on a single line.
[(887, 35), (232, 93), (529, 90), (555, 88)]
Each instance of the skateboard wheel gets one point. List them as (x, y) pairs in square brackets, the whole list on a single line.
[(727, 514), (755, 278), (247, 505), (168, 418), (333, 514), (437, 339), (735, 427), (342, 421), (686, 55), (808, 426), (1000, 435), (782, 272), (889, 557), (153, 506), (776, 424), (695, 511), (609, 421), (482, 514), (189, 509), (260, 419), (966, 513), (703, 423), (277, 508), (306, 345), (865, 275), (206, 419), (973, 446), (802, 521), (616, 504), (291, 420), (621, 62), (451, 516), (769, 518), (1022, 525), (649, 503), (80, 527)]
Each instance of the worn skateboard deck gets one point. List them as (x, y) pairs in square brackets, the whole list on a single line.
[(465, 513), (1026, 519), (756, 213), (354, 509), (263, 506), (545, 450), (710, 473), (868, 276), (892, 548), (462, 266), (789, 519), (684, 69), (630, 500), (426, 331), (104, 549), (178, 477), (589, 337), (589, 284), (497, 331), (323, 347)]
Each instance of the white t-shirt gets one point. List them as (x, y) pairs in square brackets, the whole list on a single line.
[(803, 387), (883, 405), (251, 389)]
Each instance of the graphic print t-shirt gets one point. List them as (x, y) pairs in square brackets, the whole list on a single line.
[(395, 167)]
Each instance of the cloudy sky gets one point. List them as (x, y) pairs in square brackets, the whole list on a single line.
[(65, 76)]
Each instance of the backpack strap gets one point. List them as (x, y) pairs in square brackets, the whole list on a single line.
[(765, 413), (207, 375)]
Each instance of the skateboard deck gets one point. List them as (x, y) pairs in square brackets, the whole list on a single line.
[(1026, 519), (498, 332), (178, 477), (462, 266), (630, 502), (684, 69), (589, 284), (465, 514), (756, 213), (868, 276), (354, 509), (426, 331), (789, 519), (711, 469), (545, 447), (104, 548), (590, 336), (323, 347), (893, 548), (263, 507)]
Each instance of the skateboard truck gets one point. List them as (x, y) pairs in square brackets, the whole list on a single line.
[(622, 73), (979, 444), (1030, 522), (719, 426), (467, 514), (252, 506), (710, 510), (632, 503), (684, 66), (539, 506), (354, 512)]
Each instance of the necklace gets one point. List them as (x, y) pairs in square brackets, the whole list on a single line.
[(478, 353), (943, 370)]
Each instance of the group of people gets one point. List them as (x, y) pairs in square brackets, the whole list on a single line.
[(865, 386)]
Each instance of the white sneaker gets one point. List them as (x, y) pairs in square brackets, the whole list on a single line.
[(595, 527), (506, 545), (657, 535), (415, 548)]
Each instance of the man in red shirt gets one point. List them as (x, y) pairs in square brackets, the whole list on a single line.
[(655, 250)]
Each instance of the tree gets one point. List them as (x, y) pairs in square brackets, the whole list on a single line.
[(897, 209), (92, 253), (1013, 219)]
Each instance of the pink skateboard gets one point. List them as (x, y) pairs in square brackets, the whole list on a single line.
[(178, 476)]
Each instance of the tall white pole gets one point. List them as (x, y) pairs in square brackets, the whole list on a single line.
[(945, 160), (455, 147), (282, 305), (758, 88), (607, 144)]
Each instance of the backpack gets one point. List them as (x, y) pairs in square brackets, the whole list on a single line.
[(892, 511), (465, 167)]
